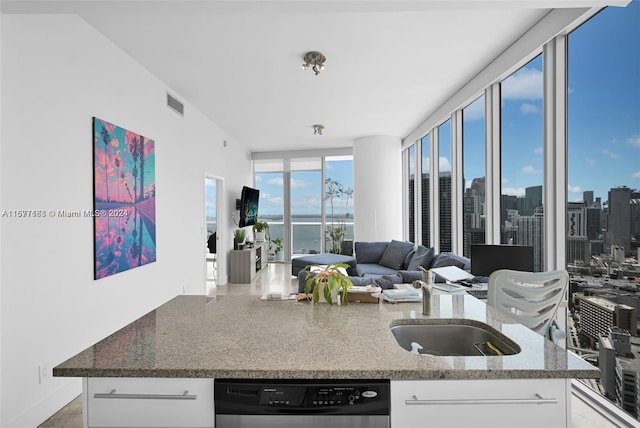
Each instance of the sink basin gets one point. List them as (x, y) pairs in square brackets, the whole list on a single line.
[(448, 337)]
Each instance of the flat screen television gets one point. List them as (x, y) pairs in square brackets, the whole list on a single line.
[(248, 206), (486, 259)]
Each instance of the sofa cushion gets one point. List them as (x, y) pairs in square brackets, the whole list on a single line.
[(373, 269), (394, 254), (407, 259), (369, 252), (423, 257), (450, 259)]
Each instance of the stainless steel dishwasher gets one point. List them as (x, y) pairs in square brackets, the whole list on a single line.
[(301, 403)]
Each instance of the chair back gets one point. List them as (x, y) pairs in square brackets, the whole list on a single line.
[(531, 298)]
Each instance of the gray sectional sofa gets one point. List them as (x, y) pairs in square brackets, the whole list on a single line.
[(395, 262)]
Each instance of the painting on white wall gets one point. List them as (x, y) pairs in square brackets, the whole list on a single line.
[(124, 199)]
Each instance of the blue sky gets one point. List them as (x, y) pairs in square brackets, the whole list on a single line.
[(603, 112)]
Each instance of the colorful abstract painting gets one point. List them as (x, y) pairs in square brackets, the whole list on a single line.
[(124, 200)]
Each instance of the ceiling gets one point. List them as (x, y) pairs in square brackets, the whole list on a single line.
[(389, 65)]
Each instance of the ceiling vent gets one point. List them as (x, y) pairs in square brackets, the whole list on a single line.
[(175, 105)]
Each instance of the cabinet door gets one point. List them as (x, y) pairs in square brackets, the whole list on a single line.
[(487, 403), (144, 402)]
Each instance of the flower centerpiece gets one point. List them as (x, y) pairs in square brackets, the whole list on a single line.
[(328, 281)]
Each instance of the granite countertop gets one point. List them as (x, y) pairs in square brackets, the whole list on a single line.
[(246, 337)]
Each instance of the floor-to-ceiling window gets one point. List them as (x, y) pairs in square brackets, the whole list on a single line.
[(473, 158), (603, 170), (338, 195), (444, 185), (425, 193), (271, 204), (296, 203), (522, 214), (305, 196), (411, 171)]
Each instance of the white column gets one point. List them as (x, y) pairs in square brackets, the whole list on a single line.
[(377, 185)]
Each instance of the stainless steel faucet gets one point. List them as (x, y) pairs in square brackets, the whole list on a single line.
[(426, 296)]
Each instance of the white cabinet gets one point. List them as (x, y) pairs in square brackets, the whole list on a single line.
[(481, 403), (148, 402), (249, 262)]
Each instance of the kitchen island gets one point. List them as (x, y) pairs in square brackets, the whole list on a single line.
[(198, 338)]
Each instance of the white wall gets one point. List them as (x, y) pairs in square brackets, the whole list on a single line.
[(377, 170), (58, 72)]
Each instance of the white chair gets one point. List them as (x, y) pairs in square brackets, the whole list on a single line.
[(531, 298)]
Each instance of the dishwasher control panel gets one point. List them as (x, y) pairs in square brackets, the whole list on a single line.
[(315, 396), (309, 396)]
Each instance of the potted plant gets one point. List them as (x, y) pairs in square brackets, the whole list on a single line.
[(260, 230), (238, 238), (277, 246), (328, 281)]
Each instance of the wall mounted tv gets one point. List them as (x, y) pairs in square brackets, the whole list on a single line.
[(249, 206), (486, 259)]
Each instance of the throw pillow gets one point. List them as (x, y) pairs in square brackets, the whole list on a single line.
[(394, 254), (369, 252), (423, 257), (408, 258)]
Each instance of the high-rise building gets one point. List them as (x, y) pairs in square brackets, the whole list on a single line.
[(444, 199), (628, 385), (598, 315), (594, 222), (576, 219), (578, 251), (530, 231), (474, 215), (587, 197), (619, 219), (532, 199)]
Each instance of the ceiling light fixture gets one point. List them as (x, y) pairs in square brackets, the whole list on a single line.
[(315, 60), (317, 129)]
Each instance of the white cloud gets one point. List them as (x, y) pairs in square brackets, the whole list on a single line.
[(574, 189), (444, 164), (514, 191), (258, 177), (636, 174), (298, 184), (634, 140), (271, 202), (276, 181), (295, 184), (538, 150), (526, 84), (530, 170), (612, 155), (527, 108), (591, 162), (474, 111)]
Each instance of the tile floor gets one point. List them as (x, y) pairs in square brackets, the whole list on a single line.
[(276, 279)]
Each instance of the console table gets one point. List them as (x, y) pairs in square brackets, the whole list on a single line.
[(248, 262)]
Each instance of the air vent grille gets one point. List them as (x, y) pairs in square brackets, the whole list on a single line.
[(175, 105)]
